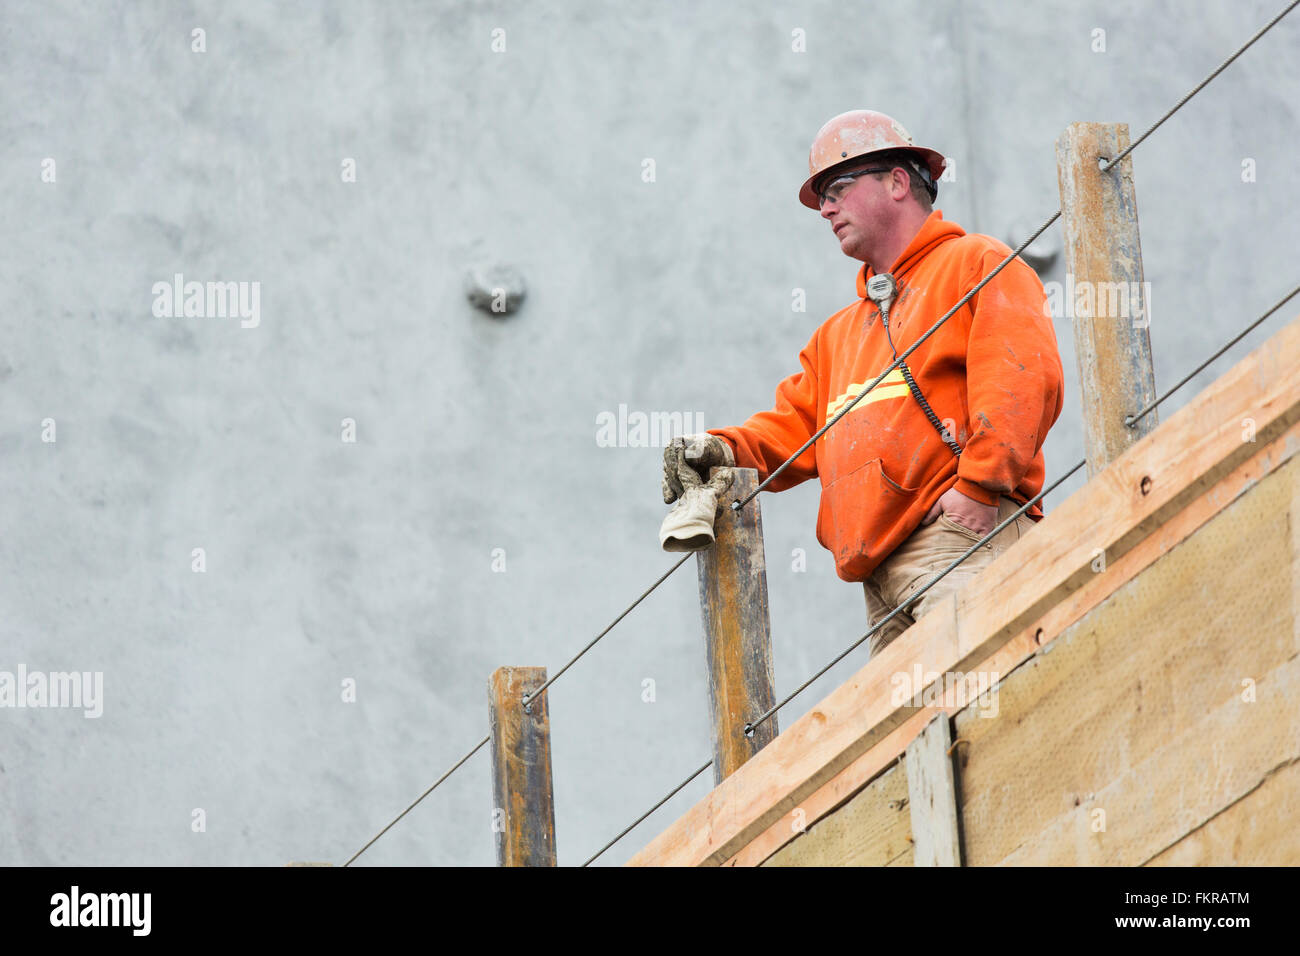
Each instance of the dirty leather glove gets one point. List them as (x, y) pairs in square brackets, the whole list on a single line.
[(689, 526), (701, 452)]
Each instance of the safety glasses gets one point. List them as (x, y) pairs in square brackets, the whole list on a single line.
[(834, 190)]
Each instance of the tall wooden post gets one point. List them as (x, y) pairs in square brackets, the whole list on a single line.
[(523, 814), (737, 630), (1104, 289)]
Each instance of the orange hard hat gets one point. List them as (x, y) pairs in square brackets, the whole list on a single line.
[(855, 134)]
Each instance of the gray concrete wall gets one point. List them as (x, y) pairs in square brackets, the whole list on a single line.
[(372, 561)]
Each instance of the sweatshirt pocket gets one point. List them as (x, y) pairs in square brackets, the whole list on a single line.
[(857, 512)]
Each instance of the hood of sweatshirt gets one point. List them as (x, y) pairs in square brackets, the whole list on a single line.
[(933, 231)]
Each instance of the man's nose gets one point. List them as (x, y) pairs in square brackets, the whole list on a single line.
[(827, 208)]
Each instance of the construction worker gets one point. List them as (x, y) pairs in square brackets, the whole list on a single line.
[(944, 447)]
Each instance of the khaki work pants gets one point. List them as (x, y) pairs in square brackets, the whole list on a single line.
[(929, 550)]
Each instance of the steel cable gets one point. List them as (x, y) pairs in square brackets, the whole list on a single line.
[(1199, 86), (527, 698), (1131, 420)]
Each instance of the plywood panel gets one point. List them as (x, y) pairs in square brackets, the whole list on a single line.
[(1206, 767), (872, 829), (1164, 650), (1260, 829)]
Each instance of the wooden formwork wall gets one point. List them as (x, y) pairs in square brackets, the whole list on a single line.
[(1163, 727)]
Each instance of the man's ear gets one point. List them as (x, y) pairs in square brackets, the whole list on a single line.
[(898, 175)]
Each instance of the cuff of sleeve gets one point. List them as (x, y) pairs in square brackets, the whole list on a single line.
[(978, 492)]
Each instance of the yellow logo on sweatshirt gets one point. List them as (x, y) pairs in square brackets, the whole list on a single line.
[(892, 385)]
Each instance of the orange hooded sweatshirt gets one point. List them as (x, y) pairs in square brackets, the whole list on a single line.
[(992, 368)]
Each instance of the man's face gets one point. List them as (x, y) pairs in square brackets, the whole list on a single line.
[(864, 211)]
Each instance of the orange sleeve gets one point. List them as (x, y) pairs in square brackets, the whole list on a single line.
[(1014, 379), (768, 438)]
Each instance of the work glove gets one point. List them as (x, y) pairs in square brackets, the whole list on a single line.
[(700, 452), (689, 526)]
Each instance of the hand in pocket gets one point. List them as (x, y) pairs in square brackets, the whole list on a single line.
[(974, 516)]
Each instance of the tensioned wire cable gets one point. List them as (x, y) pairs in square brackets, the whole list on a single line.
[(672, 793), (1129, 420), (1200, 86), (454, 768), (737, 505), (749, 727), (527, 698)]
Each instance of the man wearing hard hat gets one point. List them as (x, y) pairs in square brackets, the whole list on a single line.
[(946, 445)]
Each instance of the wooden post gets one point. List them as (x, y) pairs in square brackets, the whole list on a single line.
[(932, 796), (1104, 288), (737, 631), (523, 814)]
